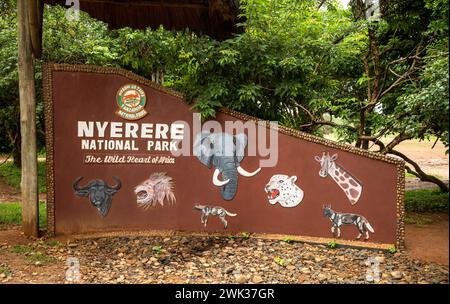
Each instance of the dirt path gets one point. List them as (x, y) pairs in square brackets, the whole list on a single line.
[(10, 195), (432, 160), (429, 242), (7, 193), (23, 270)]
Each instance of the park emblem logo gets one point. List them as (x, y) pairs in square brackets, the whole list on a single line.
[(131, 100)]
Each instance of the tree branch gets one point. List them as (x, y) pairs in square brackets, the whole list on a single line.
[(320, 4), (333, 124), (311, 116), (379, 143), (314, 121), (398, 139), (400, 77), (419, 172), (381, 133), (6, 159)]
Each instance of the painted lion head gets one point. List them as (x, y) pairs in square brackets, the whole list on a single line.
[(156, 189)]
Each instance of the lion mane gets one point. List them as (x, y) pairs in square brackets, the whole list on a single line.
[(158, 188)]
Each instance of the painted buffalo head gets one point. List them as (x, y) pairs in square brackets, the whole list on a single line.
[(100, 194)]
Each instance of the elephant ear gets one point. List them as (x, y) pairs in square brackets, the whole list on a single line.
[(241, 143), (201, 148)]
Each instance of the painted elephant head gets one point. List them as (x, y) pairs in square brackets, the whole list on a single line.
[(225, 152)]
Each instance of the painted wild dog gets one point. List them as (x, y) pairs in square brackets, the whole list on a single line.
[(213, 210), (338, 219)]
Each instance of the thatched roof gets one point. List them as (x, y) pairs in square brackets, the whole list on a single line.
[(216, 18)]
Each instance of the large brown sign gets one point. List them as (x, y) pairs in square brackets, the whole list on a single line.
[(126, 154)]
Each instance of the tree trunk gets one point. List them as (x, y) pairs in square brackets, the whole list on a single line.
[(16, 152), (365, 142), (17, 143), (29, 185)]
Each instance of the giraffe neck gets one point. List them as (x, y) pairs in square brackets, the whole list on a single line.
[(351, 187)]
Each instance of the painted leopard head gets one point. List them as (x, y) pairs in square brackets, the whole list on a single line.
[(283, 190)]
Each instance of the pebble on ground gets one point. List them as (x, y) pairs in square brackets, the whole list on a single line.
[(179, 259)]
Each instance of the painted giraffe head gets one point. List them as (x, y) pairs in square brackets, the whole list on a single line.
[(327, 163), (351, 186)]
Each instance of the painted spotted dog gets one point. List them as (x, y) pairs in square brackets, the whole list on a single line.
[(338, 219), (213, 210)]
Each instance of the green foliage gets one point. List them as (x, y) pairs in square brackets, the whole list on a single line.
[(33, 255), (285, 57), (157, 249), (429, 101), (332, 245), (5, 270), (52, 243), (426, 201), (418, 219), (280, 261), (9, 90), (412, 92), (8, 56), (11, 214), (39, 258), (22, 249), (407, 174), (86, 41), (83, 41), (245, 235), (11, 175), (288, 239), (392, 250), (147, 51)]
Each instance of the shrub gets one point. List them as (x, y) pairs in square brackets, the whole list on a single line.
[(426, 201)]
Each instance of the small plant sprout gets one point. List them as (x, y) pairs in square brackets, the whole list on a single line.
[(39, 258), (332, 245), (156, 249), (54, 243), (245, 235), (279, 261), (392, 250), (21, 249), (5, 271), (288, 239)]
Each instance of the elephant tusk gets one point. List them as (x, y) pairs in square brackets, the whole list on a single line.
[(246, 173), (216, 180)]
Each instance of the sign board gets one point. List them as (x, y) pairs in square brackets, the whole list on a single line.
[(124, 153)]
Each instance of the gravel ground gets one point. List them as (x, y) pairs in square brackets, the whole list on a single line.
[(178, 259)]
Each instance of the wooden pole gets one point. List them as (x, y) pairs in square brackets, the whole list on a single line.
[(29, 182)]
